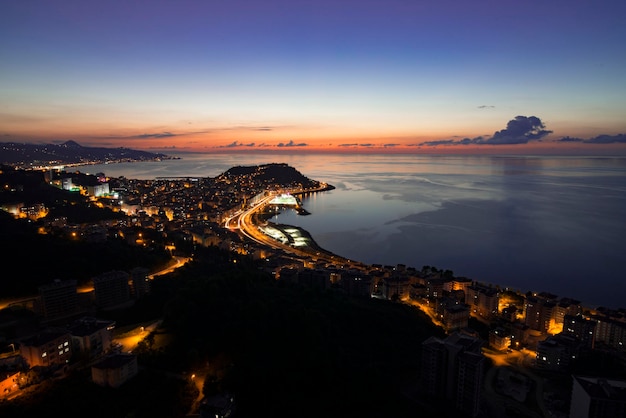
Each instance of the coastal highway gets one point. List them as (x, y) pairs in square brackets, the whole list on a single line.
[(244, 221)]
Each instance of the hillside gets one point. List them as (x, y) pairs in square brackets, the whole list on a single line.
[(270, 174)]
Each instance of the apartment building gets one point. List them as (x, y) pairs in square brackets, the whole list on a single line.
[(453, 370)]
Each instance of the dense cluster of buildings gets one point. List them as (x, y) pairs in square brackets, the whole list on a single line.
[(558, 330), (64, 334)]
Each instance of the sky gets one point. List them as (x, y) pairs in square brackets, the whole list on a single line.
[(340, 75)]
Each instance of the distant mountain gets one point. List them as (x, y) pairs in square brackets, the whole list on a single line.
[(69, 152)]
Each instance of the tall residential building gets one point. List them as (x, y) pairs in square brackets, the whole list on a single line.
[(482, 300), (453, 369), (539, 313), (567, 306), (595, 397), (582, 328), (58, 299), (610, 331), (111, 289), (140, 283)]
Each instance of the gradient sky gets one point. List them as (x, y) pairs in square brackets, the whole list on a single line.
[(403, 75)]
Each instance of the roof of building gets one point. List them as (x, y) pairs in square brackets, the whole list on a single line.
[(43, 338), (600, 388), (456, 308), (115, 361), (87, 326)]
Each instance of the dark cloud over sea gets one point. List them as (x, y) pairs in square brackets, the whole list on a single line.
[(521, 130), (600, 139)]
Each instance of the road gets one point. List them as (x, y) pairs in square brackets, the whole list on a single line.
[(244, 222), (128, 340), (519, 362), (5, 303), (180, 261)]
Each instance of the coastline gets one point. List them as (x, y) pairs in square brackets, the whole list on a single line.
[(550, 223), (316, 248)]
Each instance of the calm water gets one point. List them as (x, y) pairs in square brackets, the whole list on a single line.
[(555, 224)]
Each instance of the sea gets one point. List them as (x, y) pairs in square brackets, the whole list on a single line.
[(553, 224)]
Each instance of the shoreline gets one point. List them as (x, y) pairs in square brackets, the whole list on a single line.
[(316, 247)]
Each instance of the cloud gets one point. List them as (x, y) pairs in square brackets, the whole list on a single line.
[(354, 145), (237, 144), (600, 139), (607, 139), (520, 130), (441, 142), (570, 139), (291, 144), (156, 135), (246, 128), (486, 107)]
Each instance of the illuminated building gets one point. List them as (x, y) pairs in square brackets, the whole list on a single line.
[(482, 300), (610, 331), (396, 288), (557, 352), (499, 339), (580, 327), (91, 337), (49, 348), (100, 189), (455, 317), (539, 313)]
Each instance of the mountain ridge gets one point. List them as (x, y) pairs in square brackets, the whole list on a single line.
[(69, 152)]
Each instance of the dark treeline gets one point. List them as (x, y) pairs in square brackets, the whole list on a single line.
[(295, 351), (37, 259), (283, 350)]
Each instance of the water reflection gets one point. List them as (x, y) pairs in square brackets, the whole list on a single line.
[(529, 222)]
